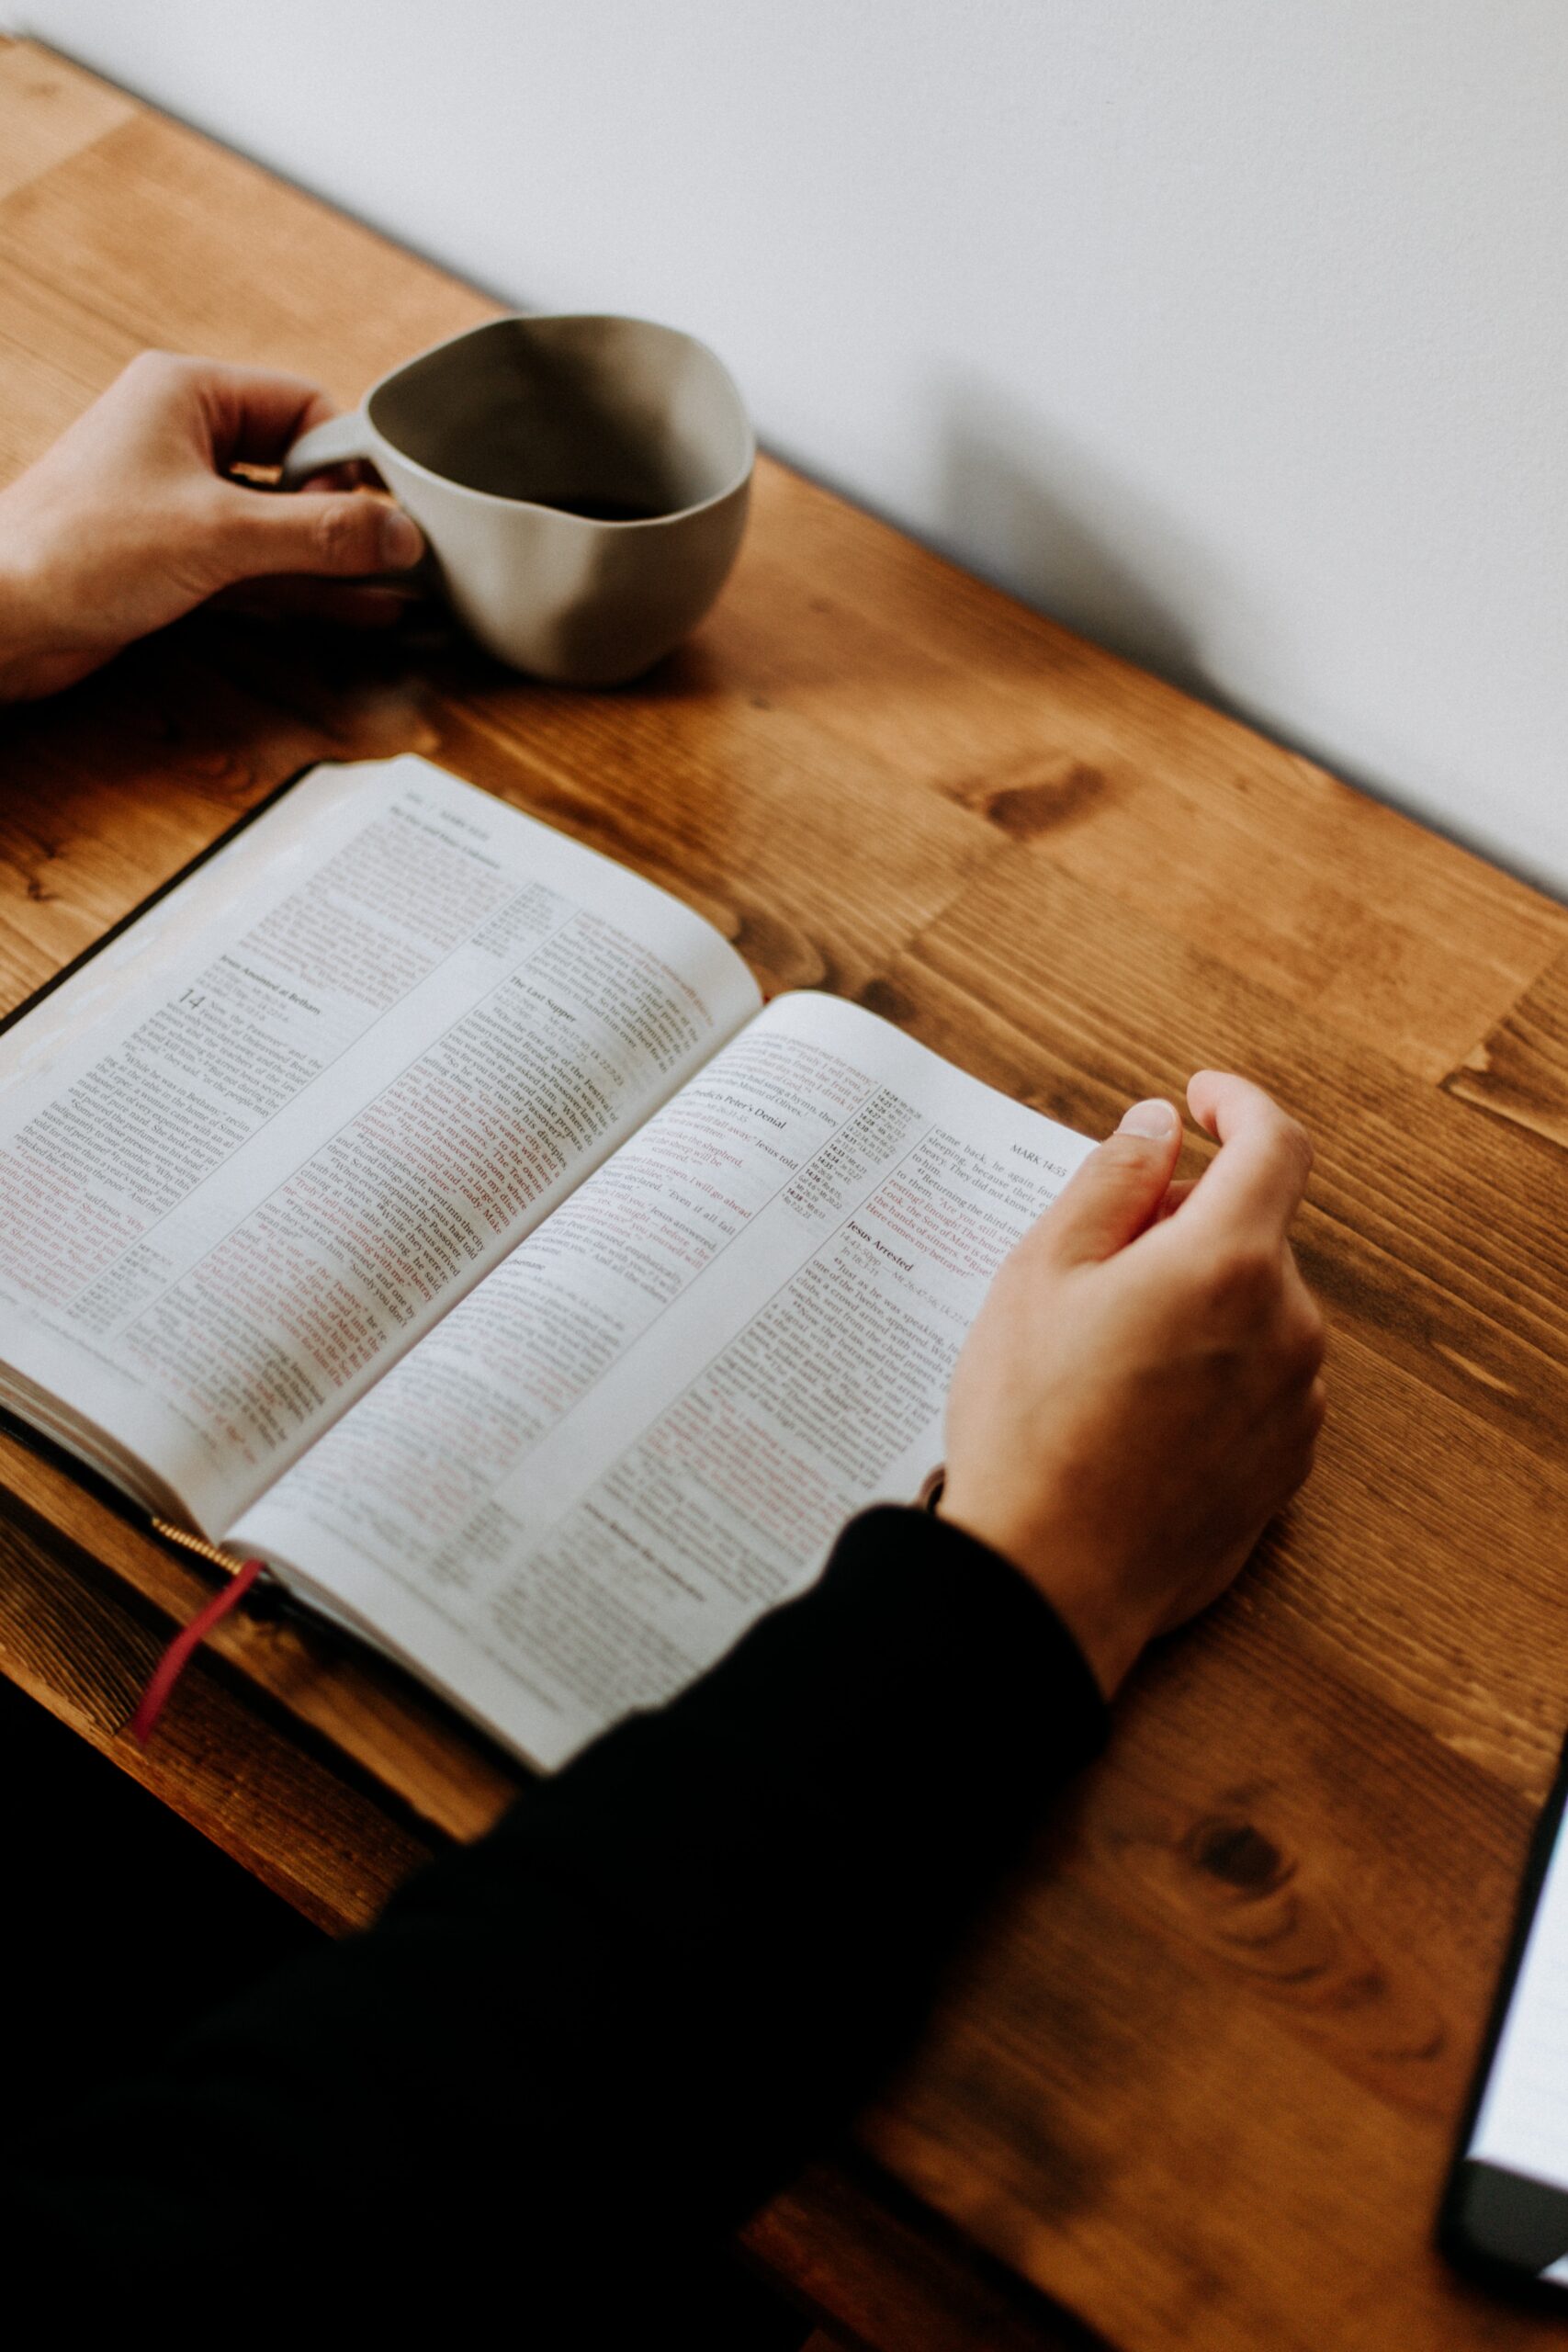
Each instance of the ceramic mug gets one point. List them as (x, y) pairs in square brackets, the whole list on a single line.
[(583, 483)]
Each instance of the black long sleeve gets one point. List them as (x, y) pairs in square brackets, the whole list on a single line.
[(574, 2056)]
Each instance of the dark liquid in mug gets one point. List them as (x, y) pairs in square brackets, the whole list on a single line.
[(607, 510)]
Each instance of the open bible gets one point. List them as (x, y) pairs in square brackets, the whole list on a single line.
[(419, 1201)]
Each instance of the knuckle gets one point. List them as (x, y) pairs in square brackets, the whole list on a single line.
[(1299, 1429), (155, 367), (1305, 1348), (1126, 1155), (1301, 1471), (345, 534), (1297, 1145), (1244, 1279), (1033, 1249)]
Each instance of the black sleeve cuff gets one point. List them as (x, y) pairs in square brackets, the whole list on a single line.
[(920, 1699)]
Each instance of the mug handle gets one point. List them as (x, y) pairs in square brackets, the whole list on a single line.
[(332, 444)]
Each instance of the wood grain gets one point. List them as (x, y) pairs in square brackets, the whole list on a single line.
[(264, 274), (1196, 2075), (1519, 1070), (73, 1636), (50, 111), (1265, 2000), (375, 1717), (860, 2250)]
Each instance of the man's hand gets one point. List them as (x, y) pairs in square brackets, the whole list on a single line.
[(1140, 1392), (133, 518)]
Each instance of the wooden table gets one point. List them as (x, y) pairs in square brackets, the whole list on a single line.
[(1196, 2079)]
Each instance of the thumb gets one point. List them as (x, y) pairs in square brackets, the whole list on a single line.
[(340, 534), (1118, 1189)]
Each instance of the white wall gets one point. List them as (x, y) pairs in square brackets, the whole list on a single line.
[(1235, 331)]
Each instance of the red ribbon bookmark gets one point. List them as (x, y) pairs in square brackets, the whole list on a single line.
[(172, 1663)]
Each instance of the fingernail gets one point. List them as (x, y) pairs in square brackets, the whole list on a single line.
[(1155, 1120), (402, 542)]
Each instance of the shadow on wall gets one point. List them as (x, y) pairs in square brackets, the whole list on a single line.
[(1025, 508)]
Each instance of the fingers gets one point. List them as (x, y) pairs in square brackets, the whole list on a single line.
[(355, 603), (223, 417), (334, 535), (1297, 1352), (354, 473), (1255, 1181), (1303, 1315), (1181, 1190), (240, 414), (1116, 1191), (1297, 1444), (255, 415), (1231, 1240)]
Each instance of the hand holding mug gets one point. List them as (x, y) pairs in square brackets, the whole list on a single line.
[(132, 519)]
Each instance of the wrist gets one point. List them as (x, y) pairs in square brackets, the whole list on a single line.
[(1081, 1590), (23, 645), (34, 659)]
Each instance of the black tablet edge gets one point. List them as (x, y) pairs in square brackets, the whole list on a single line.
[(1450, 2238)]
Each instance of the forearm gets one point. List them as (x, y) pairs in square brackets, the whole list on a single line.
[(673, 1969)]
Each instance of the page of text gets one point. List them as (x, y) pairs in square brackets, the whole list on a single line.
[(247, 1164), (652, 1422)]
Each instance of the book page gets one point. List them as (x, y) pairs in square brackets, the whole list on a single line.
[(265, 1141), (652, 1420)]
